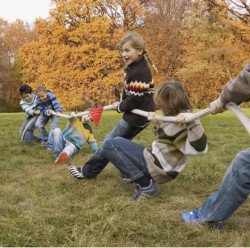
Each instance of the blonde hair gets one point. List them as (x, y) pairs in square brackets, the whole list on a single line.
[(137, 42), (171, 98)]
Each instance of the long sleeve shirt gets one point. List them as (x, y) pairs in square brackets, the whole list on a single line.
[(237, 90), (50, 103), (28, 107), (174, 143), (137, 93)]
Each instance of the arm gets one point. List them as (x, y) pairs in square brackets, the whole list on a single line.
[(56, 107), (237, 91)]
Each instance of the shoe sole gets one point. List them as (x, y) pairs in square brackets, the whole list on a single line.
[(62, 158)]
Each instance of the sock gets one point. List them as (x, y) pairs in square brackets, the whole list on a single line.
[(143, 181)]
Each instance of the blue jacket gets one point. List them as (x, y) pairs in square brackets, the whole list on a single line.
[(50, 103)]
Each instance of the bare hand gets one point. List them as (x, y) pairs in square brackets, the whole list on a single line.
[(217, 106), (181, 118), (72, 114), (86, 118), (52, 112), (115, 104), (37, 112)]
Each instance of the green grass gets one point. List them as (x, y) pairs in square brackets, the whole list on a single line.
[(42, 205)]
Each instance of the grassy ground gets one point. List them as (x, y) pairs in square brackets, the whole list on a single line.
[(42, 205)]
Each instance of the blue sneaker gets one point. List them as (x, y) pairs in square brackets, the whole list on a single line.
[(193, 218)]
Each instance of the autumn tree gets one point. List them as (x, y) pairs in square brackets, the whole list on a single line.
[(213, 54), (73, 55), (12, 37)]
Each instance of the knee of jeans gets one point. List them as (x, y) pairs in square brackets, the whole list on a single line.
[(57, 131), (109, 143)]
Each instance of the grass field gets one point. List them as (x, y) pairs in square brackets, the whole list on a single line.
[(42, 205)]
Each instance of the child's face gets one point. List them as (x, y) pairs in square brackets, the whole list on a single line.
[(42, 96), (27, 97), (130, 54)]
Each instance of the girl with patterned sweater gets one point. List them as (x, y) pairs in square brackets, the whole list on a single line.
[(137, 94), (169, 152)]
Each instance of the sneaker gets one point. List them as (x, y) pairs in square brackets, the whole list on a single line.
[(63, 156), (193, 218), (150, 191), (76, 172)]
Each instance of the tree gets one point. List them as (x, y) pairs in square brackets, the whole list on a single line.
[(72, 55)]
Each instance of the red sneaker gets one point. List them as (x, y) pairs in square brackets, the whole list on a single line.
[(61, 158)]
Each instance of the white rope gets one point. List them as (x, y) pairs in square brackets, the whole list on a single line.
[(232, 106), (240, 115)]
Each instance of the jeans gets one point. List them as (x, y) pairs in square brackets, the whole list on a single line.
[(60, 144), (41, 123), (29, 135), (98, 162), (125, 130), (234, 190), (126, 156)]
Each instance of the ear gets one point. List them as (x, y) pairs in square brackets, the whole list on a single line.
[(140, 51)]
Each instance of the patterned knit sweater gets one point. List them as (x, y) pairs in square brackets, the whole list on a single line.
[(137, 93), (172, 146), (78, 133)]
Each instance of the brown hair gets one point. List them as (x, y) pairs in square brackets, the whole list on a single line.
[(171, 98), (40, 88), (137, 42)]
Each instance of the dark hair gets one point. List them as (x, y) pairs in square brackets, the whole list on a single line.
[(25, 89), (171, 98), (40, 88)]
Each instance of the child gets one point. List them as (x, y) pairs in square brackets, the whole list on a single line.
[(72, 138), (28, 105), (168, 155), (48, 105), (137, 94)]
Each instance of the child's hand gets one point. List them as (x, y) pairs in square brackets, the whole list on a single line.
[(37, 112), (52, 112), (72, 114), (86, 118), (115, 104), (216, 106), (182, 117), (151, 117)]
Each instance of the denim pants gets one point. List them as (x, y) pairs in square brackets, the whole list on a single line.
[(29, 135), (41, 123), (60, 144), (234, 190), (126, 156), (122, 129)]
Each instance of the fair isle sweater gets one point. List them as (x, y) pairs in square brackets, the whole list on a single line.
[(29, 107), (50, 103), (174, 143), (137, 93)]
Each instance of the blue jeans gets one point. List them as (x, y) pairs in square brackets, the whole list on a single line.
[(41, 123), (126, 156), (29, 135), (122, 129), (60, 144), (234, 190)]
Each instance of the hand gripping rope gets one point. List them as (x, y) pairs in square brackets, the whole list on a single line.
[(231, 106)]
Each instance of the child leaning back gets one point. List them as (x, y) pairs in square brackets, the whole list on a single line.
[(29, 107), (48, 106), (168, 154)]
